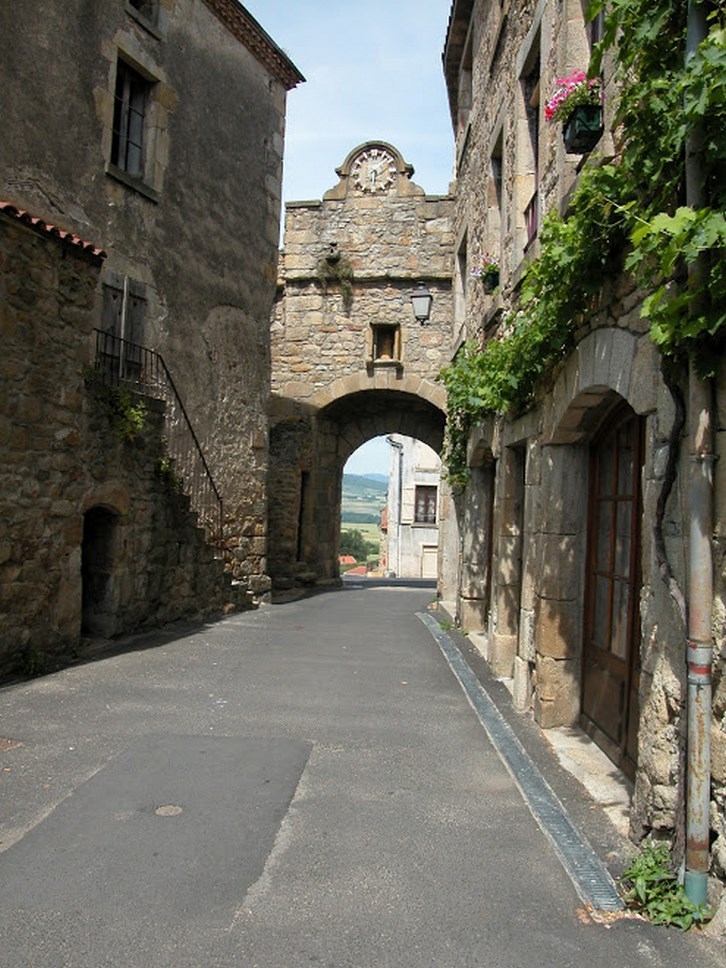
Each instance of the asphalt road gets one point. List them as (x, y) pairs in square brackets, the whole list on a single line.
[(301, 785)]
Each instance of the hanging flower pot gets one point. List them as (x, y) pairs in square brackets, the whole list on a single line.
[(487, 273), (577, 104), (583, 128)]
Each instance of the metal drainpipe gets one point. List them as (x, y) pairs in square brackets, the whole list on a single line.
[(700, 565), (399, 447)]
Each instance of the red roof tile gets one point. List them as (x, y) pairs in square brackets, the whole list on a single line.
[(45, 228)]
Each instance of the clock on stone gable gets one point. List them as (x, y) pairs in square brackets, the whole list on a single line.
[(373, 170)]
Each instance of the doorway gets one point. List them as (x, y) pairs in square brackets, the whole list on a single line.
[(97, 567), (611, 649)]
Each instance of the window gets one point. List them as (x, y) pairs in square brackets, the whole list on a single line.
[(529, 117), (136, 120), (385, 344), (531, 88), (496, 164), (129, 120), (465, 87), (123, 311), (461, 274), (147, 8), (425, 510), (494, 199), (595, 29)]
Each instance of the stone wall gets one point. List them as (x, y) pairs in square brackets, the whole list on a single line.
[(62, 454)]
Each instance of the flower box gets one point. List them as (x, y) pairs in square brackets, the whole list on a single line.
[(583, 128)]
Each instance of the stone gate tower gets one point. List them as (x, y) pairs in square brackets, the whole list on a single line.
[(349, 360)]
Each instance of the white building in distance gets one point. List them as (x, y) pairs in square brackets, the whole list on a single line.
[(413, 509)]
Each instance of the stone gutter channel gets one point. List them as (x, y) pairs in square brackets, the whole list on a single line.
[(575, 825)]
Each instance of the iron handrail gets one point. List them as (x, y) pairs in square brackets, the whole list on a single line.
[(143, 370)]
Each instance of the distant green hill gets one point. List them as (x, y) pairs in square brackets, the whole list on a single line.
[(363, 498)]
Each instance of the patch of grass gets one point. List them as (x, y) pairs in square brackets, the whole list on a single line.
[(371, 532)]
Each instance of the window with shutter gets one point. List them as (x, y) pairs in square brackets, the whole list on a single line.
[(425, 509), (123, 312)]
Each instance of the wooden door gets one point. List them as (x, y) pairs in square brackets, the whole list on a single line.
[(611, 650)]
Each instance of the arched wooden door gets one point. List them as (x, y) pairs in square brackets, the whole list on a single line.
[(611, 653)]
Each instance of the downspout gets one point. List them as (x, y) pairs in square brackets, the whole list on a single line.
[(399, 502), (700, 563)]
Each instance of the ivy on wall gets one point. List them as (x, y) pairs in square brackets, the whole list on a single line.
[(628, 215), (334, 269)]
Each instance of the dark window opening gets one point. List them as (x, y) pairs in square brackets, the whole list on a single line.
[(147, 8), (461, 281), (465, 86), (531, 90), (595, 29), (129, 116), (302, 512), (425, 510), (123, 311), (385, 343), (496, 172)]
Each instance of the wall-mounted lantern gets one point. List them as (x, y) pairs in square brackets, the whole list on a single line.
[(421, 300)]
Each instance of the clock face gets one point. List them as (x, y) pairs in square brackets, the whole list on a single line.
[(373, 171)]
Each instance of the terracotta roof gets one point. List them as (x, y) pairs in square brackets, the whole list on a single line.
[(245, 28), (45, 228)]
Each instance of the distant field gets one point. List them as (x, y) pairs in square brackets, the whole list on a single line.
[(363, 500), (371, 532)]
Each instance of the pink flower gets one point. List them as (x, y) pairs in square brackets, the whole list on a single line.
[(571, 91), (488, 264)]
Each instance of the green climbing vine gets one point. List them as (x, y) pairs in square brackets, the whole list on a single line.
[(629, 214)]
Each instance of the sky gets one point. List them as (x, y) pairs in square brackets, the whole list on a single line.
[(372, 457), (373, 72)]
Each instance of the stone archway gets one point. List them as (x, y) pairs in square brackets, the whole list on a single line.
[(307, 456)]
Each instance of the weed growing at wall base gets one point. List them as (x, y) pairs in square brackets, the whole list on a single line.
[(654, 890)]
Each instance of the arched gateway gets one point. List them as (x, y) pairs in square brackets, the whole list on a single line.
[(349, 360)]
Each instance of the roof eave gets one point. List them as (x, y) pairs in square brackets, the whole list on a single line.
[(242, 25)]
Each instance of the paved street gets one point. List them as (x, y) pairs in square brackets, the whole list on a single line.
[(302, 785)]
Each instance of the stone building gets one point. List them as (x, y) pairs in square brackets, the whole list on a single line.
[(412, 510), (349, 360), (550, 561), (95, 538), (160, 140)]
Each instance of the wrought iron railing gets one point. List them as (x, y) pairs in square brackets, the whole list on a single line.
[(122, 363)]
